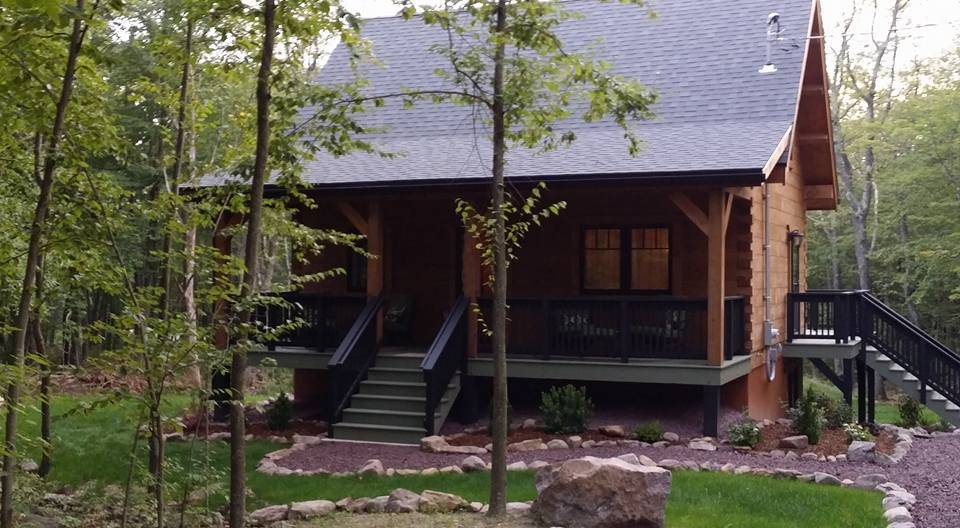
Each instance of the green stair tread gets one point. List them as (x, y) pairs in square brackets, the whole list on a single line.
[(393, 383), (385, 411), (373, 427), (396, 398)]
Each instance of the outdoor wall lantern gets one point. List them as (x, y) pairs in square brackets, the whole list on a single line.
[(796, 237)]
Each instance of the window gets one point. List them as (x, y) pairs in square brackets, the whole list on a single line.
[(357, 270), (626, 259)]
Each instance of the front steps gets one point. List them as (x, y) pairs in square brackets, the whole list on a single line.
[(389, 405), (909, 384)]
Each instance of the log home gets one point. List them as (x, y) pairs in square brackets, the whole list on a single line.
[(671, 268)]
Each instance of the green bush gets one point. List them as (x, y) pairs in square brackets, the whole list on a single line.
[(565, 409), (936, 425), (808, 418), (744, 433), (649, 432), (836, 412), (911, 413), (279, 413), (855, 431)]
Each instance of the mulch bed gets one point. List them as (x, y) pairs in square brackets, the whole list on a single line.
[(832, 441), (519, 435)]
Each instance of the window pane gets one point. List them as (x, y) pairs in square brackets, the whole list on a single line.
[(650, 259), (650, 269), (601, 259)]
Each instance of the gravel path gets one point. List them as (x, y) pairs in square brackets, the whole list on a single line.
[(931, 470)]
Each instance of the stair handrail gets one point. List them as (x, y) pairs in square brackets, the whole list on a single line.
[(877, 303), (925, 371), (354, 356), (446, 355)]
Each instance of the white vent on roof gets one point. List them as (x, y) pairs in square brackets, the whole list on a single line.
[(773, 35)]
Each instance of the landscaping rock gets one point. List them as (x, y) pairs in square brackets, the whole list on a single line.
[(701, 445), (591, 492), (741, 470), (430, 471), (898, 515), (825, 478), (630, 443), (517, 466), (613, 431), (673, 438), (809, 456), (451, 470), (557, 443), (371, 467), (606, 443), (791, 455), (574, 441), (776, 453), (646, 461), (306, 439), (439, 502), (377, 504), (661, 444), (529, 424), (795, 442), (308, 510), (432, 444), (358, 505), (518, 508), (786, 474), (537, 465), (869, 482), (860, 451), (587, 444), (669, 463), (785, 421), (402, 501), (270, 514), (630, 458), (473, 463), (533, 444), (462, 450)]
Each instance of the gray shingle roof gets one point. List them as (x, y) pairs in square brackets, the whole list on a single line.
[(715, 111)]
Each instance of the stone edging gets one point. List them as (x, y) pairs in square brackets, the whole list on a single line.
[(897, 501)]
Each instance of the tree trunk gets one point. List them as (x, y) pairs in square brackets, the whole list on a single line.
[(498, 468), (37, 228), (251, 255)]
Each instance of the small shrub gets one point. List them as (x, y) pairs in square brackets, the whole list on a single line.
[(744, 433), (279, 413), (836, 412), (649, 432), (911, 413), (808, 418), (855, 431), (565, 409), (933, 425)]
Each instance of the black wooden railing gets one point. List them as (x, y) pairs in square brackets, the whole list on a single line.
[(444, 358), (822, 314), (326, 319), (842, 315), (933, 363), (621, 328), (356, 353)]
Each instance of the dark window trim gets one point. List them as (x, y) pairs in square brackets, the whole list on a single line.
[(352, 257), (626, 247)]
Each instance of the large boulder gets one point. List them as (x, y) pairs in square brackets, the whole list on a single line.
[(371, 467), (532, 444), (592, 492), (795, 442), (432, 444)]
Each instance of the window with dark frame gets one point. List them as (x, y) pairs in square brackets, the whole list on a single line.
[(357, 270), (626, 259)]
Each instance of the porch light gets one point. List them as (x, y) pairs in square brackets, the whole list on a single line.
[(795, 237)]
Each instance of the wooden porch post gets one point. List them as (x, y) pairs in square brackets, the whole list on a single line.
[(716, 235), (472, 286), (375, 266)]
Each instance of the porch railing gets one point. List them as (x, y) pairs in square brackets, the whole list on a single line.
[(621, 328), (823, 314), (326, 319)]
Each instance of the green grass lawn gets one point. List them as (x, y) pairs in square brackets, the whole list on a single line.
[(886, 412), (93, 447)]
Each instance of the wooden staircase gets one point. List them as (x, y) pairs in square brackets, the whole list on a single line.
[(390, 403)]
